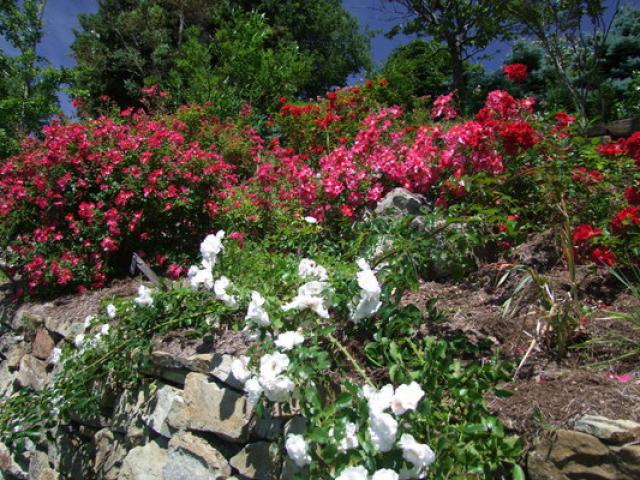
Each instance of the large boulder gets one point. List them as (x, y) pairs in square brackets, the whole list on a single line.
[(211, 408), (144, 463), (400, 202)]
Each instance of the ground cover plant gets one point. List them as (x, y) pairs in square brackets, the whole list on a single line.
[(291, 252)]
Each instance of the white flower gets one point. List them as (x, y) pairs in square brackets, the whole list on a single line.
[(111, 311), (383, 429), (254, 390), (309, 298), (418, 454), (378, 400), (239, 369), (406, 397), (297, 450), (278, 389), (87, 321), (287, 340), (369, 302), (354, 473), (200, 276), (309, 268), (210, 247), (79, 340), (256, 311), (104, 329), (350, 439), (220, 289), (311, 220), (144, 297), (272, 365), (54, 356), (385, 474)]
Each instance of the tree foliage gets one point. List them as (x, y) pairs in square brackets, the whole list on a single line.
[(28, 86), (130, 43), (464, 27)]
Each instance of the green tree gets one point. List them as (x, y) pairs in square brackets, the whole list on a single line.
[(576, 55), (28, 86), (246, 70), (419, 68), (130, 43), (464, 27)]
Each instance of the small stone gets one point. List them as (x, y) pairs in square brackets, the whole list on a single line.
[(613, 432), (258, 461), (192, 458), (144, 463), (42, 344), (32, 373), (210, 408)]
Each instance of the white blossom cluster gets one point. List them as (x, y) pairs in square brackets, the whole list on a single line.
[(210, 248), (369, 302), (144, 297), (81, 341)]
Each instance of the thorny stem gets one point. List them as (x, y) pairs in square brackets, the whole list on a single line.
[(334, 341)]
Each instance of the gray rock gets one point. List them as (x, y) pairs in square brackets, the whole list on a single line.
[(160, 407), (76, 456), (144, 463), (210, 408), (566, 454), (627, 460), (8, 466), (15, 353), (6, 380), (110, 453), (258, 461), (193, 363), (400, 202), (29, 316), (192, 458), (39, 468), (32, 373), (615, 432), (127, 415), (221, 370)]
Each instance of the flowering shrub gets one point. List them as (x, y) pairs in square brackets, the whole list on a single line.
[(424, 411)]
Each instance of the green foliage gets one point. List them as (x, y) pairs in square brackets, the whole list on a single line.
[(417, 69), (28, 87), (215, 51), (248, 71)]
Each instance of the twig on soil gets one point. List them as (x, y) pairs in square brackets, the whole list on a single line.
[(540, 330)]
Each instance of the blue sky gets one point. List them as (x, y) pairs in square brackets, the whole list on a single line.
[(61, 19)]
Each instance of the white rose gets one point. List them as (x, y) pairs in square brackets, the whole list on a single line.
[(406, 397), (220, 290), (354, 473), (385, 474), (350, 439), (78, 340), (309, 297), (297, 450), (239, 369), (111, 311), (309, 268), (383, 429), (288, 340), (311, 220), (256, 311), (419, 455), (378, 400), (254, 390), (104, 329), (273, 364), (144, 297)]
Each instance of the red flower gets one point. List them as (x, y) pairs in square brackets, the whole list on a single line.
[(347, 210), (443, 107), (516, 72), (632, 145), (603, 256), (625, 217), (584, 232), (518, 136), (612, 149), (632, 195), (581, 174), (108, 244), (174, 271)]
